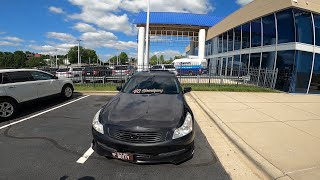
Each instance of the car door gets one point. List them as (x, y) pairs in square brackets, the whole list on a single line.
[(20, 85), (47, 84)]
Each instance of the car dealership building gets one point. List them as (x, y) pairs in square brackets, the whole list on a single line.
[(271, 34)]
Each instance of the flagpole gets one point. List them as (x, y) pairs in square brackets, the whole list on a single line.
[(146, 58)]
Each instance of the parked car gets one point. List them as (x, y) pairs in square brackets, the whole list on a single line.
[(165, 67), (123, 70), (149, 121), (21, 85), (70, 72), (97, 71)]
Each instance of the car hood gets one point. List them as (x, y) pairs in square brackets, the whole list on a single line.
[(144, 110)]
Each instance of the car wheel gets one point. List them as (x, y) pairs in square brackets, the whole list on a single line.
[(67, 91), (8, 108), (190, 73)]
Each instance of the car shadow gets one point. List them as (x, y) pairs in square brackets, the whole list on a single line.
[(38, 105)]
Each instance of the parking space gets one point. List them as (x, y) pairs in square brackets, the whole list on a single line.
[(48, 146)]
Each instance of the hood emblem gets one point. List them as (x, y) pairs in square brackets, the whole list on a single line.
[(135, 136)]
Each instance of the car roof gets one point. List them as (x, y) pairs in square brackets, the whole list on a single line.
[(155, 73), (15, 70)]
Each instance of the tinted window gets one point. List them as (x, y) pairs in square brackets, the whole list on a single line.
[(246, 36), (169, 66), (63, 70), (5, 79), (151, 84), (20, 76), (269, 30), (255, 60), (230, 40), (286, 32), (256, 33), (304, 26), (268, 59), (317, 27), (244, 61), (225, 42), (77, 69), (236, 65), (121, 68), (237, 38), (156, 67), (303, 64), (40, 76), (285, 64), (315, 82), (220, 44)]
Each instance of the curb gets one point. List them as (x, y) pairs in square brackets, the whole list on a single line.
[(263, 164), (98, 92)]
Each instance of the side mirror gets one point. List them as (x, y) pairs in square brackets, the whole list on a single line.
[(55, 77), (119, 88), (187, 89)]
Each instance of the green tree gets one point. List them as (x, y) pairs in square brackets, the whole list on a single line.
[(123, 58), (153, 60), (20, 59), (36, 62), (161, 59)]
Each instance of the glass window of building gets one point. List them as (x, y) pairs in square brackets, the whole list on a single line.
[(256, 33), (315, 82), (230, 40), (246, 36), (269, 30), (284, 64), (225, 42), (286, 31), (220, 44), (303, 65), (267, 61), (244, 64), (237, 38), (255, 60), (304, 26), (236, 65), (317, 28)]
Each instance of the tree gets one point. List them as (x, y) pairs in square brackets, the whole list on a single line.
[(36, 62), (161, 59), (153, 60), (20, 59), (123, 58), (73, 54)]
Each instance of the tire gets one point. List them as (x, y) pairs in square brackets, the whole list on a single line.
[(8, 108), (67, 91), (190, 73)]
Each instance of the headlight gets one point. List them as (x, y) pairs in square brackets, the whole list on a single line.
[(185, 129), (96, 124)]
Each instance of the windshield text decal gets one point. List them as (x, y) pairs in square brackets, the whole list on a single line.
[(144, 91)]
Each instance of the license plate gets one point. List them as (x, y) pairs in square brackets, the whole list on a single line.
[(123, 156)]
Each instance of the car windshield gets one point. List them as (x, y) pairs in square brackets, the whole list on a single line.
[(121, 68), (156, 67), (151, 85)]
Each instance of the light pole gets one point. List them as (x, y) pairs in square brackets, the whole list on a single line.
[(79, 60), (146, 58), (56, 57)]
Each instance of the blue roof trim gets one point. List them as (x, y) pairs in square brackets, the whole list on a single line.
[(178, 19)]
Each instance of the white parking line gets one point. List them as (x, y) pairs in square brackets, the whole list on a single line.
[(33, 116), (85, 156)]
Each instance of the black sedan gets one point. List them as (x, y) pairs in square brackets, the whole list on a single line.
[(149, 121)]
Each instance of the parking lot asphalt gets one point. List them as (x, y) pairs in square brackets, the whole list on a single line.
[(48, 146)]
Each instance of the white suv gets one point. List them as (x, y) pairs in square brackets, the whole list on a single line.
[(22, 85)]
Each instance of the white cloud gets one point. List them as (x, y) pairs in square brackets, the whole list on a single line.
[(83, 27), (121, 45), (12, 39), (243, 2), (61, 36), (167, 53), (7, 43), (60, 49), (56, 10), (191, 6)]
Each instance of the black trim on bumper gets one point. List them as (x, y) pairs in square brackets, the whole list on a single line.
[(174, 151)]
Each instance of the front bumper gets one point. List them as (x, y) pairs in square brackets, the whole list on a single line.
[(174, 151)]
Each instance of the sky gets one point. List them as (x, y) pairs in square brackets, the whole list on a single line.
[(53, 26)]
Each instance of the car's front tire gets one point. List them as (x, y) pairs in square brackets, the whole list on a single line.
[(67, 91), (8, 108)]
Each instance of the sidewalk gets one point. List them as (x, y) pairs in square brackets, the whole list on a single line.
[(280, 132)]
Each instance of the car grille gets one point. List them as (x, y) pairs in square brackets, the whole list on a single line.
[(137, 137)]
